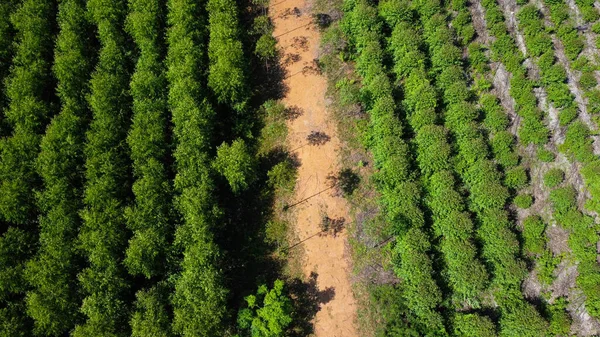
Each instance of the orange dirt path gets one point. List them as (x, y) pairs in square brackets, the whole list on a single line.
[(327, 256)]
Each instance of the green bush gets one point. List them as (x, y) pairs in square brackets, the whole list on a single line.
[(554, 177), (593, 97), (596, 27), (237, 164), (283, 176), (588, 80), (523, 201), (571, 40), (533, 235), (590, 14), (269, 312), (563, 199), (516, 177), (473, 325), (502, 144), (546, 263), (545, 155), (567, 115), (495, 118), (560, 319), (578, 144)]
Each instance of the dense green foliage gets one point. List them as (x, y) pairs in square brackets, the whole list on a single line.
[(582, 241), (226, 73), (6, 43), (149, 218), (199, 297), (400, 191), (140, 169), (29, 89), (150, 215), (54, 302), (451, 222), (554, 177), (102, 237), (268, 313)]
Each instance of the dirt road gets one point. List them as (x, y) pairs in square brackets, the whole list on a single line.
[(325, 255)]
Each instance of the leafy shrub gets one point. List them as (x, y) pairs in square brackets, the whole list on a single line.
[(533, 235), (266, 47), (282, 176), (567, 115), (516, 177), (236, 164), (268, 314), (571, 40), (502, 144), (588, 80), (546, 263), (578, 144), (590, 14), (473, 325), (563, 199), (593, 97), (560, 319), (544, 155), (495, 118), (523, 201), (554, 177)]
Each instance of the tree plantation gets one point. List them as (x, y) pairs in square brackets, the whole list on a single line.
[(149, 186)]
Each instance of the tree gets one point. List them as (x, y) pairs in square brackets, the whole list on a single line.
[(236, 164), (266, 47), (268, 314), (102, 236), (149, 216), (151, 316), (227, 69), (28, 88), (199, 296), (54, 301)]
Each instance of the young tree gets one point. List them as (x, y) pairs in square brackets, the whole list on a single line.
[(227, 70), (236, 164), (268, 314)]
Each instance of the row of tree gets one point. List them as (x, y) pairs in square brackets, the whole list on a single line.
[(451, 224), (397, 180), (487, 187), (110, 209), (577, 146), (26, 115)]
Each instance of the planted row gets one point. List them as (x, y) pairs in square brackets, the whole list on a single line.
[(488, 195), (451, 223), (54, 301), (401, 192), (29, 93), (102, 237), (199, 295)]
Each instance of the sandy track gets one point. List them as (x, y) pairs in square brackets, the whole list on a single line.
[(327, 256)]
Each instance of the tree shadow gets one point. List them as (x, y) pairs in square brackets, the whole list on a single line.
[(307, 300), (317, 138)]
